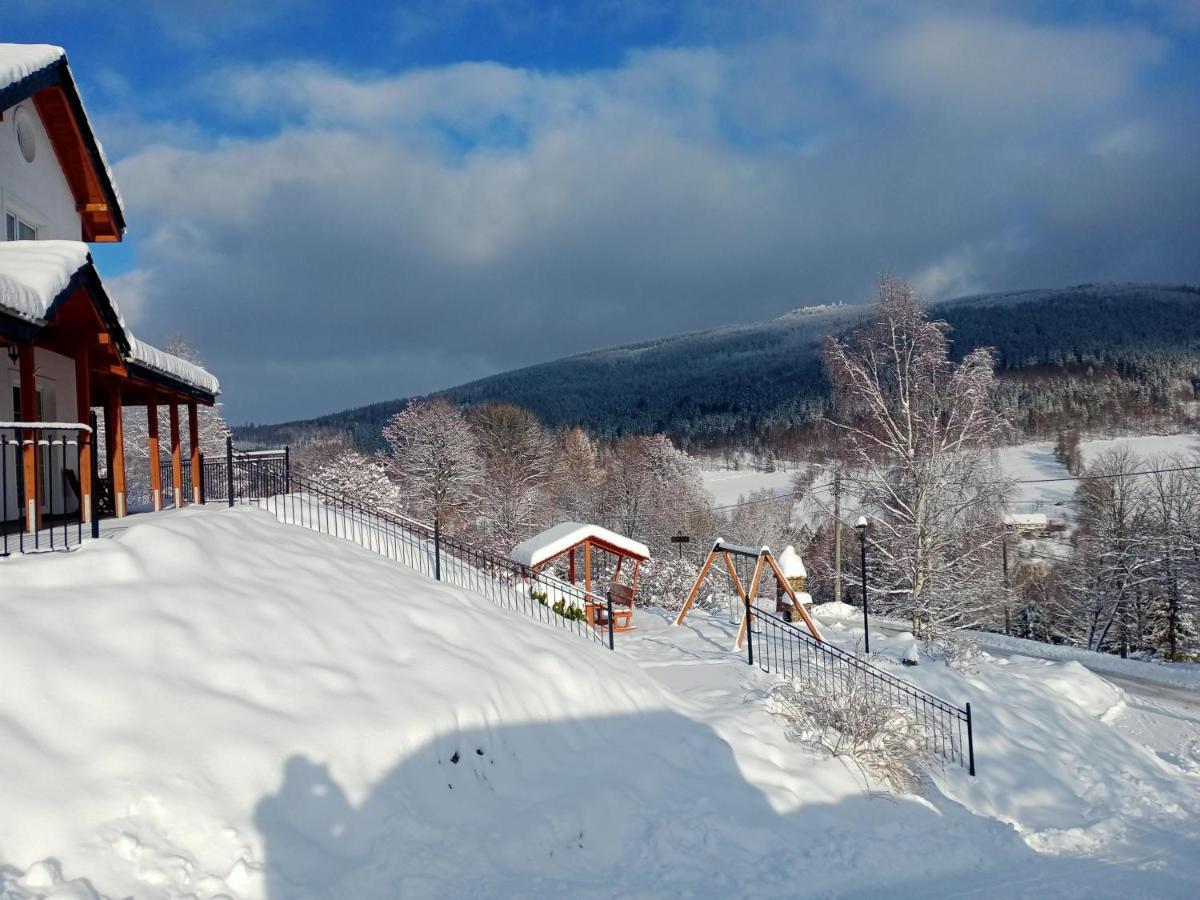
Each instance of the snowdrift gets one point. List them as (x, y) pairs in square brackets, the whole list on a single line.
[(216, 704)]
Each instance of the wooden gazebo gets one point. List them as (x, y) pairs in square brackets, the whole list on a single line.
[(569, 539)]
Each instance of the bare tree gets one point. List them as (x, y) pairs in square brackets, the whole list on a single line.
[(652, 490), (434, 458), (578, 479), (918, 432), (517, 460)]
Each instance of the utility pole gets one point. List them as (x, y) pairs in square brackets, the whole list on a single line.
[(837, 537), (1007, 611)]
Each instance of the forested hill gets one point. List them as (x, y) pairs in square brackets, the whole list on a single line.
[(1087, 355)]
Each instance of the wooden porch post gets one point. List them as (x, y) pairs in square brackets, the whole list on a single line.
[(83, 412), (153, 448), (194, 442), (33, 508), (571, 558), (114, 429), (176, 456)]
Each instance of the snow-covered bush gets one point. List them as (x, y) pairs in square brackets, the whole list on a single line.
[(666, 581), (956, 650), (855, 721)]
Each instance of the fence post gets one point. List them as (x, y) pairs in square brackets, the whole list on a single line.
[(749, 632), (203, 487), (970, 743), (610, 622), (287, 468), (95, 466), (437, 546), (4, 489), (229, 466)]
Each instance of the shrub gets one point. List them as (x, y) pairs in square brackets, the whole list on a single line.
[(857, 722)]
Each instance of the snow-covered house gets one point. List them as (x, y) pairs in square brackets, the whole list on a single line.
[(64, 347), (1028, 523)]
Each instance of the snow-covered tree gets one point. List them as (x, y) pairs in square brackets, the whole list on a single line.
[(918, 431), (652, 490), (362, 479), (578, 479), (517, 463), (434, 458)]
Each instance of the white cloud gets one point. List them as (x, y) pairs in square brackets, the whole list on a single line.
[(446, 221)]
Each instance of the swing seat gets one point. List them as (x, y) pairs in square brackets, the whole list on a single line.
[(623, 598)]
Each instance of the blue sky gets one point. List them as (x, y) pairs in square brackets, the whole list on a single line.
[(343, 203)]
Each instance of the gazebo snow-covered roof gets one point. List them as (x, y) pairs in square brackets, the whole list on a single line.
[(554, 542), (564, 540)]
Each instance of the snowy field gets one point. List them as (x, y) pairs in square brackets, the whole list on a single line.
[(1023, 462), (211, 703)]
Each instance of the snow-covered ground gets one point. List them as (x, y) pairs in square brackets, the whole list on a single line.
[(1023, 462), (727, 486), (212, 703), (1033, 461)]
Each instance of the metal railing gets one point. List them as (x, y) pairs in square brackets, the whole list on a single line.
[(780, 647), (238, 475), (427, 550), (52, 519)]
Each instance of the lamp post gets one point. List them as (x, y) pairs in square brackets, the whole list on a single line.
[(861, 527)]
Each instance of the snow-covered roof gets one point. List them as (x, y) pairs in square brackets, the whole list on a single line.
[(21, 62), (174, 366), (34, 276), (791, 564), (557, 540), (1027, 519)]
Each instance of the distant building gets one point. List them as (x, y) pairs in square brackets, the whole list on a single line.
[(1028, 523), (64, 346)]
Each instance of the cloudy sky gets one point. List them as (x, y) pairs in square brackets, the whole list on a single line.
[(338, 205)]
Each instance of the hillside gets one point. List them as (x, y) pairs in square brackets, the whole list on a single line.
[(1087, 355), (247, 709)]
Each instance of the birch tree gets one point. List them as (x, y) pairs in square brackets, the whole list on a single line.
[(917, 431)]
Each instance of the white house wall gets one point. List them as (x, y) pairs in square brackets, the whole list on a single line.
[(55, 375), (37, 191)]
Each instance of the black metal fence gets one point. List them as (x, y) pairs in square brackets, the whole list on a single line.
[(237, 474), (780, 647), (423, 547), (52, 519)]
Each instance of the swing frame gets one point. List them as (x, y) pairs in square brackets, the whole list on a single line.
[(763, 558)]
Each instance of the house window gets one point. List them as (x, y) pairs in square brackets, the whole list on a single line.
[(18, 229)]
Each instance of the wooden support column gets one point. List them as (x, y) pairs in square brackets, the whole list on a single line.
[(153, 448), (571, 558), (31, 470), (587, 567), (176, 456), (83, 412), (194, 443), (114, 433)]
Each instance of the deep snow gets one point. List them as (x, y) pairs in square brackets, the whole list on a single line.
[(214, 703)]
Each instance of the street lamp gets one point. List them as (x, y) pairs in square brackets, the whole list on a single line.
[(861, 527)]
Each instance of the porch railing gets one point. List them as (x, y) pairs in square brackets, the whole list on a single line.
[(50, 517)]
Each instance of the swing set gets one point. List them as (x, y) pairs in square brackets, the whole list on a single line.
[(763, 558)]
